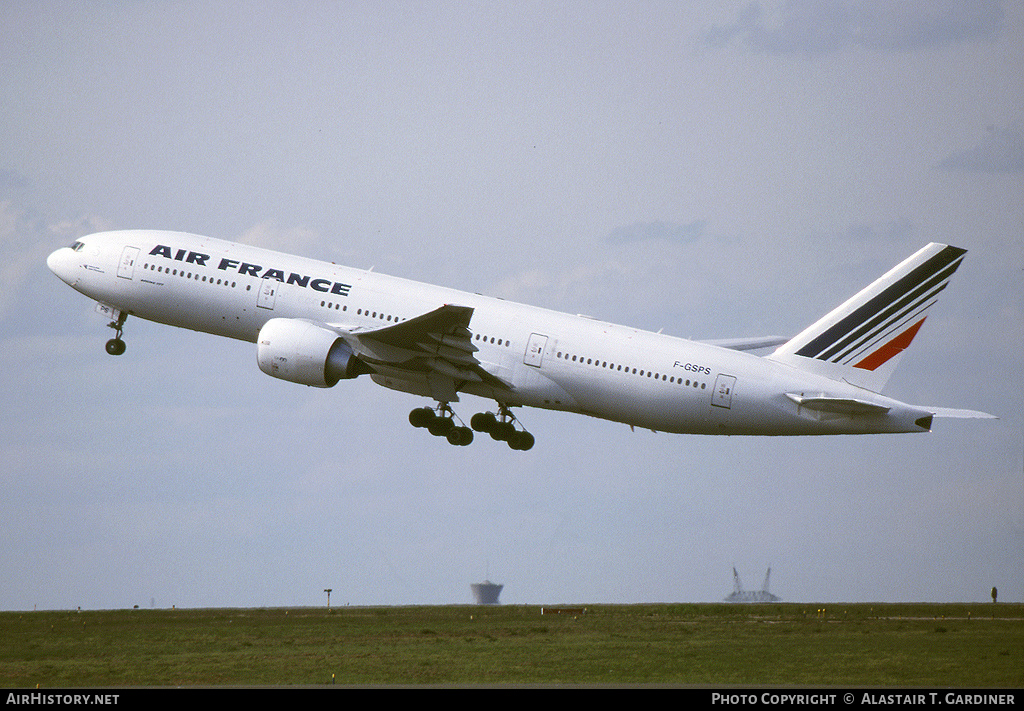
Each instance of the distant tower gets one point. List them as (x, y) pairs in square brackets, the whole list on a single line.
[(486, 593), (741, 595)]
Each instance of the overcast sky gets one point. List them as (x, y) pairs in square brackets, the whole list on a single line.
[(713, 169)]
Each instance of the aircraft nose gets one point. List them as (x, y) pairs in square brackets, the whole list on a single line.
[(60, 263)]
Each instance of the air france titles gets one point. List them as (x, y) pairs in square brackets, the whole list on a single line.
[(325, 286)]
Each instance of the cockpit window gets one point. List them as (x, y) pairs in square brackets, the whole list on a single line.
[(77, 246)]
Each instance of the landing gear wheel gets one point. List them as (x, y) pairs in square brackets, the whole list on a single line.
[(521, 441), (115, 346), (483, 421), (503, 431), (441, 426), (460, 436), (421, 417)]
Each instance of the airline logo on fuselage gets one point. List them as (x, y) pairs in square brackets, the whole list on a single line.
[(326, 286)]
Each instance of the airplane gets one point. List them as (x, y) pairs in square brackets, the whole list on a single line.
[(316, 323)]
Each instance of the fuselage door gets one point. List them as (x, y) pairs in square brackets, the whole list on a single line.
[(724, 386), (268, 294), (126, 267), (535, 350)]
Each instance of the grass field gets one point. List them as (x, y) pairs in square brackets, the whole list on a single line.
[(920, 645)]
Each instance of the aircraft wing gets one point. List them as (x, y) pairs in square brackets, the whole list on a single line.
[(433, 350), (748, 344), (447, 321)]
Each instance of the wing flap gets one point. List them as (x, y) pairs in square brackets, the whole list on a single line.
[(444, 367), (455, 355), (457, 340)]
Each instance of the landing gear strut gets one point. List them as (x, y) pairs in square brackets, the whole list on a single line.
[(115, 346)]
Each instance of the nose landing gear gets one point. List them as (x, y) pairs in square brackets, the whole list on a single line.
[(115, 346)]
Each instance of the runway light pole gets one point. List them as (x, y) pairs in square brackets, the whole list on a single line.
[(328, 591)]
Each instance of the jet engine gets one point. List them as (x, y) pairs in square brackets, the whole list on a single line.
[(303, 352)]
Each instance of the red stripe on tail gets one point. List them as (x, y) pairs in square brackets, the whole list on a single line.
[(890, 349)]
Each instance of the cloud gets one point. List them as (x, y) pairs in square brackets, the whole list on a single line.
[(11, 180), (694, 282), (818, 27), (294, 240), (1000, 150), (668, 231), (900, 231), (25, 240)]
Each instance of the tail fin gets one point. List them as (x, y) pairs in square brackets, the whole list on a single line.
[(861, 340)]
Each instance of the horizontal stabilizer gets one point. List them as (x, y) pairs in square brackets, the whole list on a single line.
[(838, 405), (748, 344), (960, 414)]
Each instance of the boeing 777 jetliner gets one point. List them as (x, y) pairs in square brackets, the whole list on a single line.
[(316, 323)]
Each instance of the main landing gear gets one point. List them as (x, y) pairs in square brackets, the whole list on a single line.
[(440, 422), (115, 346), (502, 427)]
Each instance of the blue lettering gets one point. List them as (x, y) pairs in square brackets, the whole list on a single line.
[(324, 286)]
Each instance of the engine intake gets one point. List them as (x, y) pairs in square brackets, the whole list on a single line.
[(303, 352)]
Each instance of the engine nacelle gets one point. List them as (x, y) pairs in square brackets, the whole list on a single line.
[(303, 352)]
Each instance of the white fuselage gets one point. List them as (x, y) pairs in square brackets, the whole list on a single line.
[(550, 360)]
